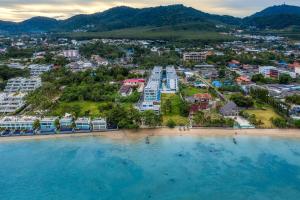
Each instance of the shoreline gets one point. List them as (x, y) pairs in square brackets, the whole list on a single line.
[(142, 133)]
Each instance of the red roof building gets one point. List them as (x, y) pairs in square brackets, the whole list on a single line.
[(134, 81), (243, 80)]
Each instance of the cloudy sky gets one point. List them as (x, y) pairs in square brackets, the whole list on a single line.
[(18, 10)]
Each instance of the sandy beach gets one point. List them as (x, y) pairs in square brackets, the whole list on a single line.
[(142, 133)]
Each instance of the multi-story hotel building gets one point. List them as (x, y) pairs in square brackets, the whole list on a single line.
[(23, 84)]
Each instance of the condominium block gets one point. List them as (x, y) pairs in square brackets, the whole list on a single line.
[(11, 102), (23, 84), (37, 70)]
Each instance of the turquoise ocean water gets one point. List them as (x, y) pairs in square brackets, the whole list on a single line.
[(169, 168)]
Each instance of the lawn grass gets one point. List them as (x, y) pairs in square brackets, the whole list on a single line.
[(179, 120), (265, 116), (190, 91), (175, 112), (83, 107)]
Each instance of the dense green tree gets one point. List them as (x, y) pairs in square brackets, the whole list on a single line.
[(36, 124), (199, 118), (171, 123), (151, 119), (101, 49), (285, 79), (242, 101), (294, 99), (279, 122), (124, 117)]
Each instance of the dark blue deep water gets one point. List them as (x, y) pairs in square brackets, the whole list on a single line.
[(169, 168)]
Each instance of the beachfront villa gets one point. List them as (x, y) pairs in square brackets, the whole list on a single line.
[(99, 124), (17, 123), (66, 124), (47, 125), (83, 124)]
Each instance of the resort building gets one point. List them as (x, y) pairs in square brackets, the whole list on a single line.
[(23, 84), (171, 85), (37, 70), (83, 124), (80, 66), (10, 103), (47, 125), (99, 124), (160, 81), (196, 56), (66, 124), (71, 54), (17, 123), (16, 65), (273, 72), (152, 91)]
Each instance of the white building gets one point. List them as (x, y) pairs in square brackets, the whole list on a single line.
[(16, 65), (71, 54), (99, 124), (37, 70), (11, 102), (171, 81), (17, 123), (23, 84), (273, 72), (80, 66), (195, 56), (152, 91)]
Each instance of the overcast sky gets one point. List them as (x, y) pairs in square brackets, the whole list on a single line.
[(18, 10)]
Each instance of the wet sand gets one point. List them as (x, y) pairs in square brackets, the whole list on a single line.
[(142, 133)]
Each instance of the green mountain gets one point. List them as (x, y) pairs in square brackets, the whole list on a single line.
[(275, 17), (120, 18), (173, 17), (35, 24)]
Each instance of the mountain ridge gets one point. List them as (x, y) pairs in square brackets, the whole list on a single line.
[(277, 17)]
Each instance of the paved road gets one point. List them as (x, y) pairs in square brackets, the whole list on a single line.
[(210, 85)]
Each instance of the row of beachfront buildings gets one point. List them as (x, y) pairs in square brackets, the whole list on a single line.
[(49, 125), (160, 81)]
